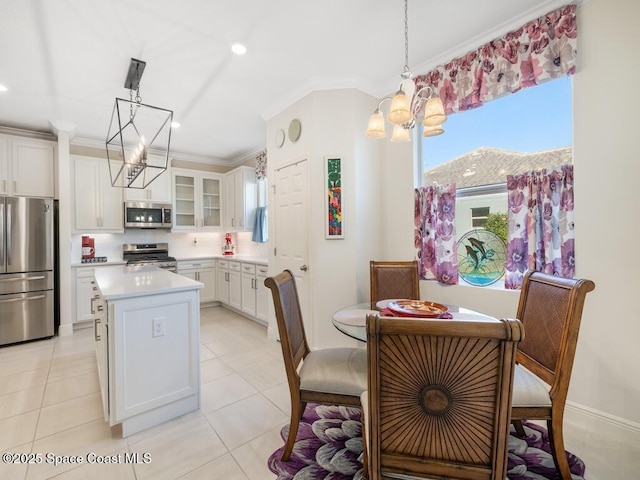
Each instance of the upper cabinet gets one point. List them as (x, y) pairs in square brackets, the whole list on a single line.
[(197, 200), (240, 199), (27, 167), (159, 190), (98, 205)]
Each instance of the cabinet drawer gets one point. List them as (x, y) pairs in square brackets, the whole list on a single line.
[(262, 270), (235, 266), (249, 268), (83, 272), (197, 264), (223, 264)]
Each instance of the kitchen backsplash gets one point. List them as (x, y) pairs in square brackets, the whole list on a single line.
[(181, 245)]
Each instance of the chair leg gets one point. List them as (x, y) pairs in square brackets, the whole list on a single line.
[(556, 442), (517, 424), (297, 410)]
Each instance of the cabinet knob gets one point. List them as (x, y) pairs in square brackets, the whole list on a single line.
[(304, 268)]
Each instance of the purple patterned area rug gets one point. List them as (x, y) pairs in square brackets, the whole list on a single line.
[(329, 447)]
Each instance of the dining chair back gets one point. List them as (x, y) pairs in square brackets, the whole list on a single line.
[(334, 376), (394, 280), (439, 397), (550, 308)]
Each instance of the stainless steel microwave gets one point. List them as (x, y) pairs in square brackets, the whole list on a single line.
[(147, 215)]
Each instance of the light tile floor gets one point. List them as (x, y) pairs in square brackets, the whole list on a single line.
[(50, 403)]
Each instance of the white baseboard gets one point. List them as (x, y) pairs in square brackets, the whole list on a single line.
[(65, 329), (601, 423)]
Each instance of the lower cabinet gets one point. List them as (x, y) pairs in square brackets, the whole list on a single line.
[(235, 285), (255, 295), (203, 271), (241, 287), (264, 302), (85, 293), (223, 281)]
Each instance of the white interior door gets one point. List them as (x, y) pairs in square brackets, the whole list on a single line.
[(291, 238)]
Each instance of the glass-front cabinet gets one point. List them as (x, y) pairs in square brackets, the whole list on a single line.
[(197, 198)]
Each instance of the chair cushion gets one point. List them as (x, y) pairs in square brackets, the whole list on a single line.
[(529, 390), (335, 370)]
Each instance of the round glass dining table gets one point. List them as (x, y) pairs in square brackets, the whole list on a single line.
[(352, 320)]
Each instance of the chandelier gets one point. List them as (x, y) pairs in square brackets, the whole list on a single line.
[(407, 104), (139, 136)]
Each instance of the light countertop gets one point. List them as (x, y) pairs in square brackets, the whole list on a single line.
[(121, 281), (237, 258)]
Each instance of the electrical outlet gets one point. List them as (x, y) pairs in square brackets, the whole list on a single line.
[(159, 328)]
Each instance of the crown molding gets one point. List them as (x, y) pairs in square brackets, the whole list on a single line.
[(20, 132)]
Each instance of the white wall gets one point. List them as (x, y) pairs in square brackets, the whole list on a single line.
[(333, 124), (605, 386)]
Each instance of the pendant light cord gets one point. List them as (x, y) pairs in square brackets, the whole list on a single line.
[(406, 36)]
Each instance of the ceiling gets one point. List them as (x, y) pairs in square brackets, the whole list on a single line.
[(66, 60)]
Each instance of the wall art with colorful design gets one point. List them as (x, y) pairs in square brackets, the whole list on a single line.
[(334, 219)]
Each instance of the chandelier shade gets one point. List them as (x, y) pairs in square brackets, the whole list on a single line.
[(138, 139), (407, 104)]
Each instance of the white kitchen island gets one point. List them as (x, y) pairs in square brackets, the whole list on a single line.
[(147, 332)]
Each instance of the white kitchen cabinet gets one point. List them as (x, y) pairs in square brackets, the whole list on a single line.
[(235, 285), (101, 338), (98, 206), (203, 271), (255, 295), (27, 167), (159, 190), (147, 324), (85, 293), (197, 200), (223, 281), (264, 303), (248, 283), (240, 199)]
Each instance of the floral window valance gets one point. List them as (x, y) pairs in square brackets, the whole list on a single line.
[(536, 52)]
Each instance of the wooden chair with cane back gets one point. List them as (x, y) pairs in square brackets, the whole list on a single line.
[(392, 280), (550, 308), (334, 376), (439, 397)]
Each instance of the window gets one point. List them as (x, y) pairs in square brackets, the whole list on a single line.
[(525, 131), (479, 216)]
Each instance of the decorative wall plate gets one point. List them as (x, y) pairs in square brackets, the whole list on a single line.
[(279, 138), (295, 129), (481, 257)]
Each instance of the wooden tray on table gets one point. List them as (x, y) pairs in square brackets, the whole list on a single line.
[(417, 308)]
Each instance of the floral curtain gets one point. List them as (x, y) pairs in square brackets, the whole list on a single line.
[(435, 235), (541, 221), (538, 51), (261, 165)]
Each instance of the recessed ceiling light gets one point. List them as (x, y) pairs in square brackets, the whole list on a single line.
[(238, 49), (175, 125), (3, 88)]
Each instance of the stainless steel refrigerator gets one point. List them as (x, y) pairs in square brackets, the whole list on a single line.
[(26, 269)]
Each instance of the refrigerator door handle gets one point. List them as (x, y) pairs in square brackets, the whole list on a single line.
[(9, 245), (2, 259), (19, 279), (23, 299)]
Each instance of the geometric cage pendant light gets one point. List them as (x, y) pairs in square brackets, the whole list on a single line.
[(407, 104), (139, 136)]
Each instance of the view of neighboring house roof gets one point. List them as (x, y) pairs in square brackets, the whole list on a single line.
[(488, 166)]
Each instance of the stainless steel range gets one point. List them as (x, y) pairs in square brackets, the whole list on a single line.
[(156, 254)]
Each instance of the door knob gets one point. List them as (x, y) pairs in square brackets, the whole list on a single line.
[(304, 268)]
